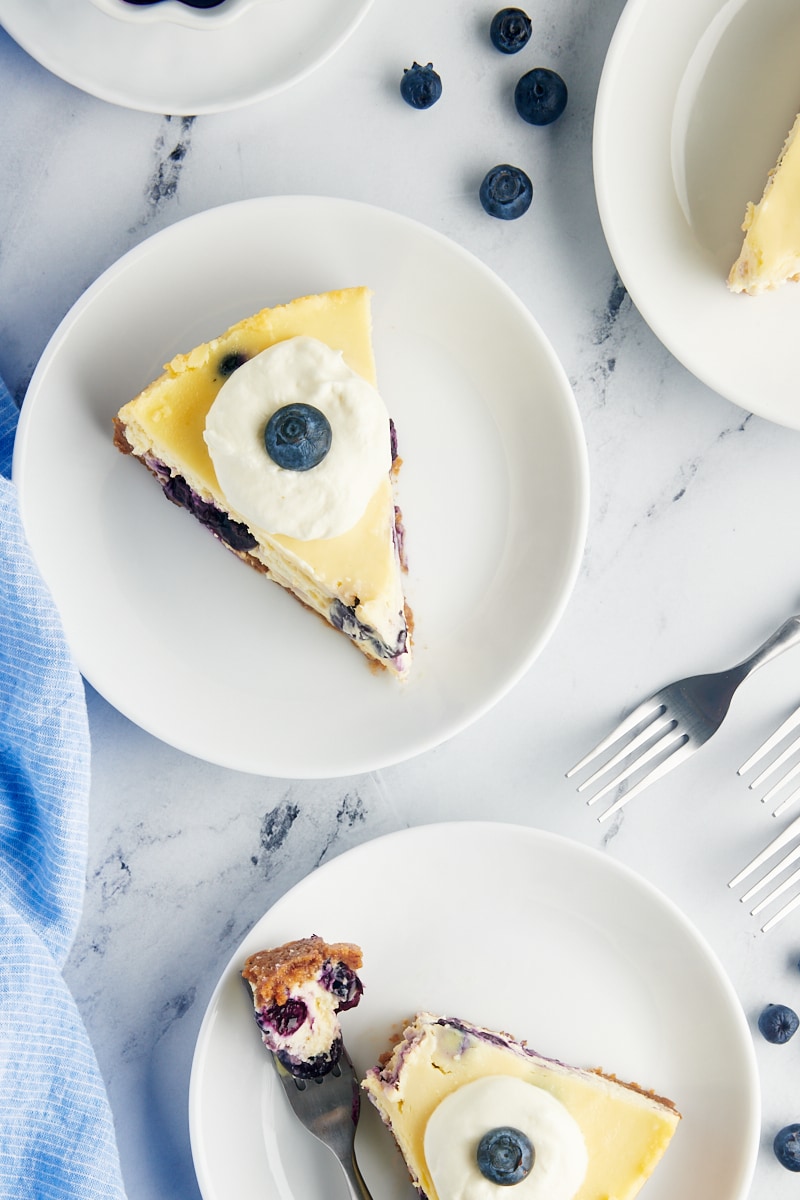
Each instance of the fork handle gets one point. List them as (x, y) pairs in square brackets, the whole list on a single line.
[(783, 639), (355, 1180)]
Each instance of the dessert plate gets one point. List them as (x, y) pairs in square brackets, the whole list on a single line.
[(164, 67), (207, 654), (680, 146), (514, 929)]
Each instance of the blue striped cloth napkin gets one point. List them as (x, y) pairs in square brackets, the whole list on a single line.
[(56, 1132)]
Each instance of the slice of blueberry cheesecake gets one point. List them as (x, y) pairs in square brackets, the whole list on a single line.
[(274, 436), (473, 1110), (298, 990), (770, 253)]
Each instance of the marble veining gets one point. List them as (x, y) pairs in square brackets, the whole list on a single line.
[(610, 314), (170, 152)]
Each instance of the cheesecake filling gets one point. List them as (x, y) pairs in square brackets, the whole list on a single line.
[(456, 1126), (328, 499), (346, 618), (770, 254), (303, 1030), (625, 1129)]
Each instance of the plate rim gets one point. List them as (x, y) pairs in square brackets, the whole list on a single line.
[(384, 845), (691, 353), (569, 409), (124, 97)]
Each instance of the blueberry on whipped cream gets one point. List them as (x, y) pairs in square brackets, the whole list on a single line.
[(298, 991), (297, 437), (505, 1156)]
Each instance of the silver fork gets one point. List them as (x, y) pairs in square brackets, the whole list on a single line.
[(672, 724), (329, 1107), (788, 726), (784, 838)]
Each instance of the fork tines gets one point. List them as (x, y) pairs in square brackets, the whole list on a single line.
[(783, 839), (781, 733), (657, 742)]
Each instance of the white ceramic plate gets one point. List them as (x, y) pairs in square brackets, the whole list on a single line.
[(164, 67), (694, 104), (209, 655), (507, 927)]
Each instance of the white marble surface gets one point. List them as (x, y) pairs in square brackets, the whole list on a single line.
[(691, 557)]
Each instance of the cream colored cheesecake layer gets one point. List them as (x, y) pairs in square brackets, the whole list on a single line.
[(626, 1131), (167, 420), (770, 253)]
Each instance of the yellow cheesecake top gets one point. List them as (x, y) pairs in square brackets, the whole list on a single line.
[(625, 1130), (168, 419), (770, 253)]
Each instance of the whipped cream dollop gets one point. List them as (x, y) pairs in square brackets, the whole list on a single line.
[(458, 1123), (327, 500)]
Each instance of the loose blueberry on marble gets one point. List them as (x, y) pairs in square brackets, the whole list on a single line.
[(506, 192), (505, 1156), (778, 1023), (510, 30), (297, 437), (540, 96), (420, 86), (787, 1147)]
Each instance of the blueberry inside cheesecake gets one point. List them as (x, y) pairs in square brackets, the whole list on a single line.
[(474, 1111), (298, 990), (274, 436)]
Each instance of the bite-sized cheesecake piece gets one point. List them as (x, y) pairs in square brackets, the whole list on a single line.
[(298, 991), (770, 253), (274, 436), (470, 1108)]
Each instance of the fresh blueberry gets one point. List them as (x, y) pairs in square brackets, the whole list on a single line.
[(283, 1019), (510, 30), (343, 983), (297, 437), (506, 192), (420, 86), (314, 1067), (230, 363), (787, 1147), (778, 1023), (188, 3), (234, 533), (540, 96), (505, 1155)]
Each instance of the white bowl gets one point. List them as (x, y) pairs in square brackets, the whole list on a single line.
[(176, 13)]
